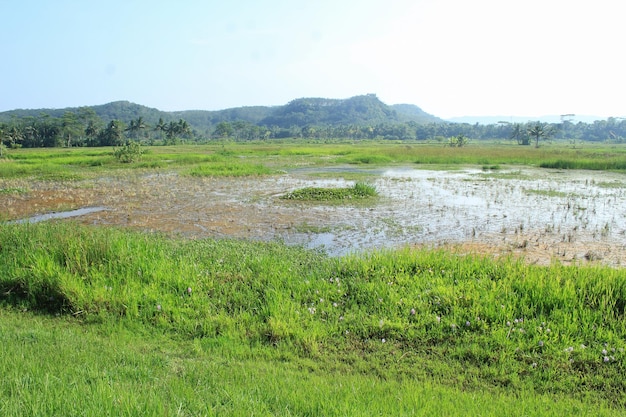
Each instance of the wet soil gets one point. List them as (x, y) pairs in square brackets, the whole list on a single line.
[(541, 215)]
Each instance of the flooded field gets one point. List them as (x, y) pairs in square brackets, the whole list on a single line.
[(543, 215)]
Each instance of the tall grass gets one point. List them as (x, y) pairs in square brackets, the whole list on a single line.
[(466, 321), (610, 164)]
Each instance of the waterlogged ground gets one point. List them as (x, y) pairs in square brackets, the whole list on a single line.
[(543, 215)]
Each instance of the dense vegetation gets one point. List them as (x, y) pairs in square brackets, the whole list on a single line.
[(361, 117)]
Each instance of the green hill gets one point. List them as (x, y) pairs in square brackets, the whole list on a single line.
[(359, 110)]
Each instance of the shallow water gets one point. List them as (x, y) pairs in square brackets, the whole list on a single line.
[(59, 215), (544, 214)]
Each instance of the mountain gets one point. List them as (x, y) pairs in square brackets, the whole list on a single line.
[(413, 113), (358, 110)]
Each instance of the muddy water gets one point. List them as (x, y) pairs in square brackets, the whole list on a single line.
[(543, 215)]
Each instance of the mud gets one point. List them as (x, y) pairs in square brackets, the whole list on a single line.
[(541, 215)]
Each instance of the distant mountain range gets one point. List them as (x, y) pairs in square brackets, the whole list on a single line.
[(358, 110), (364, 110), (490, 120)]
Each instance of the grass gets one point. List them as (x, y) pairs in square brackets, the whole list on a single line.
[(359, 190), (225, 326), (13, 190), (53, 366), (222, 169), (243, 158)]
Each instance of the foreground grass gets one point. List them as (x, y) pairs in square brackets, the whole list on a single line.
[(55, 366), (109, 313)]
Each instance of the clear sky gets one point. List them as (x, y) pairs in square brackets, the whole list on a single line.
[(449, 57)]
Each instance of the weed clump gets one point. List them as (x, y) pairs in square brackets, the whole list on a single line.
[(359, 190)]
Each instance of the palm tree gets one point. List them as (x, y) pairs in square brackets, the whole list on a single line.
[(14, 135), (161, 127), (519, 134), (539, 130), (183, 127), (135, 127)]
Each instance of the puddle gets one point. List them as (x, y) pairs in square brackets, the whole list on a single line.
[(59, 215), (538, 213)]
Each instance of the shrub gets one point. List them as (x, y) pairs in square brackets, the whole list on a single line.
[(130, 152)]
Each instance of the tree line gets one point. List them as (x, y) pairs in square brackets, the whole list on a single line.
[(85, 128)]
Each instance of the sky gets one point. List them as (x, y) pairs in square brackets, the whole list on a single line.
[(451, 58)]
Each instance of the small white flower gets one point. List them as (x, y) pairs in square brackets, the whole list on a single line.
[(541, 343), (606, 359), (383, 340), (412, 311)]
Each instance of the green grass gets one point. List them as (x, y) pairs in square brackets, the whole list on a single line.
[(259, 158), (132, 323), (54, 367), (230, 169), (603, 164), (359, 190), (13, 190)]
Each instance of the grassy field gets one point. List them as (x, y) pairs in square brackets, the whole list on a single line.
[(146, 324), (261, 158), (105, 321)]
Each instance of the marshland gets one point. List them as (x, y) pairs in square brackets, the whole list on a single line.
[(295, 278)]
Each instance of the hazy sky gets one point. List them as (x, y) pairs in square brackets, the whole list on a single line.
[(450, 57)]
